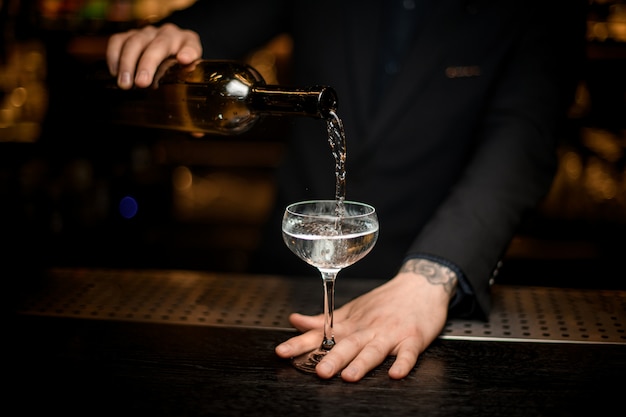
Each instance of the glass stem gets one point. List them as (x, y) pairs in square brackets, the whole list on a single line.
[(328, 277)]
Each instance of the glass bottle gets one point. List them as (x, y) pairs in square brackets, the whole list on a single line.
[(215, 97)]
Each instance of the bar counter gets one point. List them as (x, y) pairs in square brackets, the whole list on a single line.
[(94, 342)]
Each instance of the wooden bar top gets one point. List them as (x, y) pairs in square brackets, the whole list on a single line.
[(71, 366), (97, 368)]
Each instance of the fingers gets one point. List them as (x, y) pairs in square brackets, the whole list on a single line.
[(190, 48), (356, 354), (405, 360), (134, 56), (124, 51), (311, 326), (299, 344), (368, 357), (114, 47), (342, 357), (355, 358)]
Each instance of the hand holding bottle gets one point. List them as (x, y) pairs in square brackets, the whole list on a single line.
[(134, 56)]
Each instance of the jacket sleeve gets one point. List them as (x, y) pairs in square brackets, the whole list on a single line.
[(513, 165)]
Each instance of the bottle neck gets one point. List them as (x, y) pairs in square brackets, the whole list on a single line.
[(317, 101)]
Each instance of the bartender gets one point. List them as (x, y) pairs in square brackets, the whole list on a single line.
[(451, 111)]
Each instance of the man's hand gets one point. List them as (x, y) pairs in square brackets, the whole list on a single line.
[(401, 318), (134, 56)]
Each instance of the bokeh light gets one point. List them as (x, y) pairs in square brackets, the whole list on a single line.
[(128, 207)]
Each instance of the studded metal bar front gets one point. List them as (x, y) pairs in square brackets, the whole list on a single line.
[(519, 313)]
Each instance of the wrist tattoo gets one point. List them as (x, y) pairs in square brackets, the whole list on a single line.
[(434, 273)]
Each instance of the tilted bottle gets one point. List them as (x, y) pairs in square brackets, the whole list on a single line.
[(215, 97)]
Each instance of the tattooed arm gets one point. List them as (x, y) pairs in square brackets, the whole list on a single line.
[(435, 273)]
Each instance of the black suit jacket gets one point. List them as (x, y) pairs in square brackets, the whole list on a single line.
[(453, 153)]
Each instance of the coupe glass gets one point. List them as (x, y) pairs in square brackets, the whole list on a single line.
[(330, 235)]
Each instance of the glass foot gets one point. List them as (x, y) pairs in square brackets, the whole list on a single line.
[(308, 361)]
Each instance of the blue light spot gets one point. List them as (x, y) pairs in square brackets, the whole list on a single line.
[(128, 207)]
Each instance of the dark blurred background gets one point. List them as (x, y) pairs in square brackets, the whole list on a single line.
[(77, 192)]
